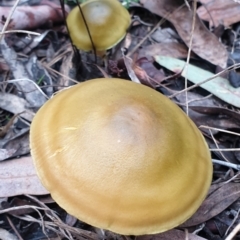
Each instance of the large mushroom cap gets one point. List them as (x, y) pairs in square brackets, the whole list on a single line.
[(107, 21), (120, 156)]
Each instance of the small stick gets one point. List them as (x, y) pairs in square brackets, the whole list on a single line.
[(227, 164), (233, 233)]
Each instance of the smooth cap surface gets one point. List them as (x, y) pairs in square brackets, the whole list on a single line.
[(120, 156), (107, 21)]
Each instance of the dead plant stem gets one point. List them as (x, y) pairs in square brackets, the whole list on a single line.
[(8, 19)]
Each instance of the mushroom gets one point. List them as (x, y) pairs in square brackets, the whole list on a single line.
[(107, 21), (120, 156)]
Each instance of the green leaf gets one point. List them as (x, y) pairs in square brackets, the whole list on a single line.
[(126, 3), (218, 86)]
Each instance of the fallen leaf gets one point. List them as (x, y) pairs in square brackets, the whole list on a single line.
[(18, 176), (151, 75), (175, 50), (219, 200), (204, 43), (173, 234), (220, 12), (218, 86), (17, 141), (165, 35), (32, 17), (216, 111), (200, 119)]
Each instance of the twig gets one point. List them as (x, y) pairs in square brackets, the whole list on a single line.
[(20, 31), (219, 129), (233, 221), (224, 150), (20, 207), (190, 48), (26, 79), (4, 129), (145, 38), (227, 164), (215, 141), (8, 19), (14, 229), (233, 233), (207, 80)]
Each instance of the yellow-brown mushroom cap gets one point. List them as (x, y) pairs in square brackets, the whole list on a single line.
[(107, 21), (120, 156)]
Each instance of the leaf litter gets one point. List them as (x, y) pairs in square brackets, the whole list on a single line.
[(34, 67)]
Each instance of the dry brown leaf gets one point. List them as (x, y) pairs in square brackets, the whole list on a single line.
[(219, 200), (147, 73), (139, 75), (173, 234), (18, 176), (195, 99), (31, 17), (204, 43), (216, 12)]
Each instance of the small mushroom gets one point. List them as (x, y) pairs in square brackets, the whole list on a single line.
[(120, 156), (107, 21)]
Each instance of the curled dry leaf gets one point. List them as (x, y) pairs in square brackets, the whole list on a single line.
[(216, 12), (204, 43), (215, 203), (32, 17), (18, 176), (173, 234)]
